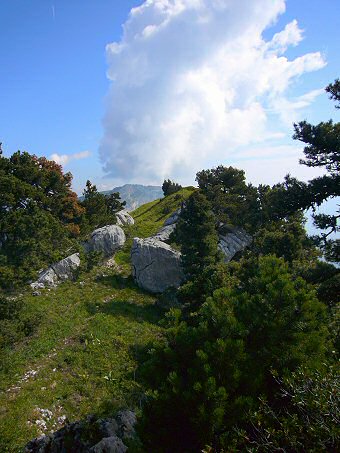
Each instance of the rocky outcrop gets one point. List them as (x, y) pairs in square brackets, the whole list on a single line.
[(156, 266), (164, 233), (107, 240), (173, 218), (109, 445), (233, 240), (124, 218), (89, 436), (58, 272)]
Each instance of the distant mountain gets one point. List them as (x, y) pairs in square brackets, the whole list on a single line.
[(136, 194)]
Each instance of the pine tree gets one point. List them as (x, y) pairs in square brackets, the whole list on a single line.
[(197, 235), (169, 187)]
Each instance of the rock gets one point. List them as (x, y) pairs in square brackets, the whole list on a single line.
[(173, 218), (66, 267), (36, 293), (37, 285), (155, 265), (108, 240), (233, 240), (124, 218), (88, 436), (126, 421), (46, 278), (164, 233), (57, 272), (109, 445), (107, 427), (38, 445)]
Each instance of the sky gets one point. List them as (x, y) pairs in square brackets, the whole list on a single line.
[(127, 91)]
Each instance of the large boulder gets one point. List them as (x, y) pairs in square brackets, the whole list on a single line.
[(233, 240), (155, 265), (108, 240), (124, 218), (58, 272)]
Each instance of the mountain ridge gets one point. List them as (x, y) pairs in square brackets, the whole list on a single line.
[(135, 195)]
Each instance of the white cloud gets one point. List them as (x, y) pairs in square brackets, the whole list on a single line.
[(289, 110), (192, 81), (64, 159), (290, 36)]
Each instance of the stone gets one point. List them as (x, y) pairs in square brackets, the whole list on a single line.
[(126, 421), (173, 218), (107, 427), (65, 268), (108, 240), (156, 266), (37, 285), (57, 272), (233, 240), (88, 435), (164, 233), (46, 278), (124, 218), (109, 445)]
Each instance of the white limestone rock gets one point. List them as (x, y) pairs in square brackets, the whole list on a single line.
[(66, 267), (156, 266), (57, 272), (173, 218), (124, 218), (164, 233), (233, 240), (108, 240)]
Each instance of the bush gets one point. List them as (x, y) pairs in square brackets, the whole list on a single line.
[(207, 377)]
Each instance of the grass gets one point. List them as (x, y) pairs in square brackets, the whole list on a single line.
[(78, 356), (149, 218), (81, 358)]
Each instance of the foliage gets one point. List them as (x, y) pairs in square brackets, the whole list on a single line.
[(208, 375), (100, 210), (322, 150), (34, 238), (334, 90), (197, 235), (39, 216), (233, 201), (325, 277), (169, 187), (57, 348), (286, 238), (25, 177), (305, 416)]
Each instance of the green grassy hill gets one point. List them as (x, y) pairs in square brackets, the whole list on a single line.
[(71, 351)]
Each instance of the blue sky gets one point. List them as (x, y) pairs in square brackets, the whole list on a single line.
[(55, 93)]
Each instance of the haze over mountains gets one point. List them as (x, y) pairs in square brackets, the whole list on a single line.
[(136, 194)]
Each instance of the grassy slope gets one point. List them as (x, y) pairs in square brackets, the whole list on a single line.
[(81, 357), (149, 218)]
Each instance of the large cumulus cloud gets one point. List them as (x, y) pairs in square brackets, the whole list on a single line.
[(194, 81)]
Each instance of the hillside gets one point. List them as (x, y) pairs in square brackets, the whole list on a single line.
[(71, 351), (136, 195)]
